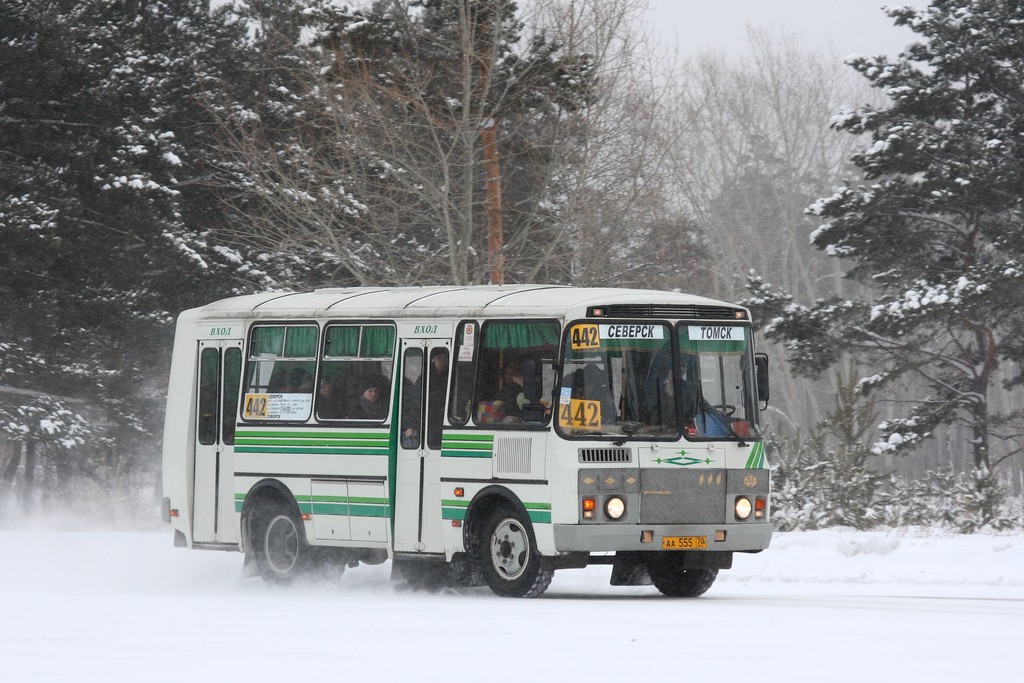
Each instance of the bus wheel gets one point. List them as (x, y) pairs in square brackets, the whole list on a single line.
[(281, 550), (671, 579), (508, 555)]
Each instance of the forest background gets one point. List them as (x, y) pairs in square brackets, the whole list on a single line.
[(156, 155)]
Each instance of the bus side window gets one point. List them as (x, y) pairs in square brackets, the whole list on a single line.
[(465, 362), (355, 357), (280, 371), (507, 347), (209, 379), (229, 399)]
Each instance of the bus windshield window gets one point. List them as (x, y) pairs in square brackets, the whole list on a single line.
[(618, 379), (717, 381)]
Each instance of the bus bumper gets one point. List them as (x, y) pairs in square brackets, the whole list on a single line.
[(634, 537)]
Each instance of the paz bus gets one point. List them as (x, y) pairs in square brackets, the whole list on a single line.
[(484, 435)]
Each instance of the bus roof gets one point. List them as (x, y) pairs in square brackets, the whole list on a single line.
[(556, 301)]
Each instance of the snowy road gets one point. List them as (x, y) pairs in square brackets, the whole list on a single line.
[(823, 606)]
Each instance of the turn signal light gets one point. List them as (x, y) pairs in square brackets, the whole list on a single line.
[(589, 505), (759, 505)]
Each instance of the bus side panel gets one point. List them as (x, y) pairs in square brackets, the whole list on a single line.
[(179, 426)]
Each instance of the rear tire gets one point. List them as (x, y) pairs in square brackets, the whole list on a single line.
[(671, 579), (279, 546), (508, 557)]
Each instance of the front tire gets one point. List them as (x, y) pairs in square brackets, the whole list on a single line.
[(672, 580), (508, 556)]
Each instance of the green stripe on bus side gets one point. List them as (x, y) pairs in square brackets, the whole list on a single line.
[(465, 441), (350, 506), (454, 509), (349, 510), (467, 437), (756, 459), (313, 451), (351, 443), (464, 445), (539, 517), (467, 446), (312, 434), (453, 513), (465, 454), (539, 513)]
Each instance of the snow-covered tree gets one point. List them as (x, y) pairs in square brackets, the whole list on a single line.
[(935, 229), (104, 233), (387, 167)]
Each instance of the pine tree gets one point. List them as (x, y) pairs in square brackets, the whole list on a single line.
[(936, 228), (104, 235)]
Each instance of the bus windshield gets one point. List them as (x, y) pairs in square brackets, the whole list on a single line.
[(618, 379), (652, 381), (717, 382)]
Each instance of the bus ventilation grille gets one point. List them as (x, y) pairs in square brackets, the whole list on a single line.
[(606, 455), (512, 455), (669, 311)]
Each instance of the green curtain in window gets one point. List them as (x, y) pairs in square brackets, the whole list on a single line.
[(378, 341), (300, 342), (267, 341), (520, 335), (342, 341)]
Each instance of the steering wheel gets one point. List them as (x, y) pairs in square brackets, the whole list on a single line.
[(725, 409)]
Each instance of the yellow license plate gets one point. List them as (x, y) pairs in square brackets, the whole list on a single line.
[(684, 542)]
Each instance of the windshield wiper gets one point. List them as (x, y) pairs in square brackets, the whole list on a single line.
[(628, 433)]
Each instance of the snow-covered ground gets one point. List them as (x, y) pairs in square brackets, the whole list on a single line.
[(834, 605)]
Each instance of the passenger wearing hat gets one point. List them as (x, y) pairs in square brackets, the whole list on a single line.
[(368, 405)]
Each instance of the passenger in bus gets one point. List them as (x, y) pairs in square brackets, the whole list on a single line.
[(329, 401), (412, 411), (511, 394), (596, 388), (302, 382), (298, 381), (369, 404), (437, 386)]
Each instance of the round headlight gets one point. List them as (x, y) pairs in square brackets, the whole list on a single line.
[(743, 508), (614, 507)]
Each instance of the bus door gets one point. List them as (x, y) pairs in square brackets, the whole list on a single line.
[(425, 367), (220, 367)]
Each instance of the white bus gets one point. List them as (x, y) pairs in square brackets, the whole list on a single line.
[(472, 435)]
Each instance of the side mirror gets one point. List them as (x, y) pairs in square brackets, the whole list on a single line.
[(761, 374)]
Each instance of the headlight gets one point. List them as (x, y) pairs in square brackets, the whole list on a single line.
[(614, 507), (743, 508)]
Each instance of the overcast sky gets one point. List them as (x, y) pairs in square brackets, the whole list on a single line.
[(840, 27)]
